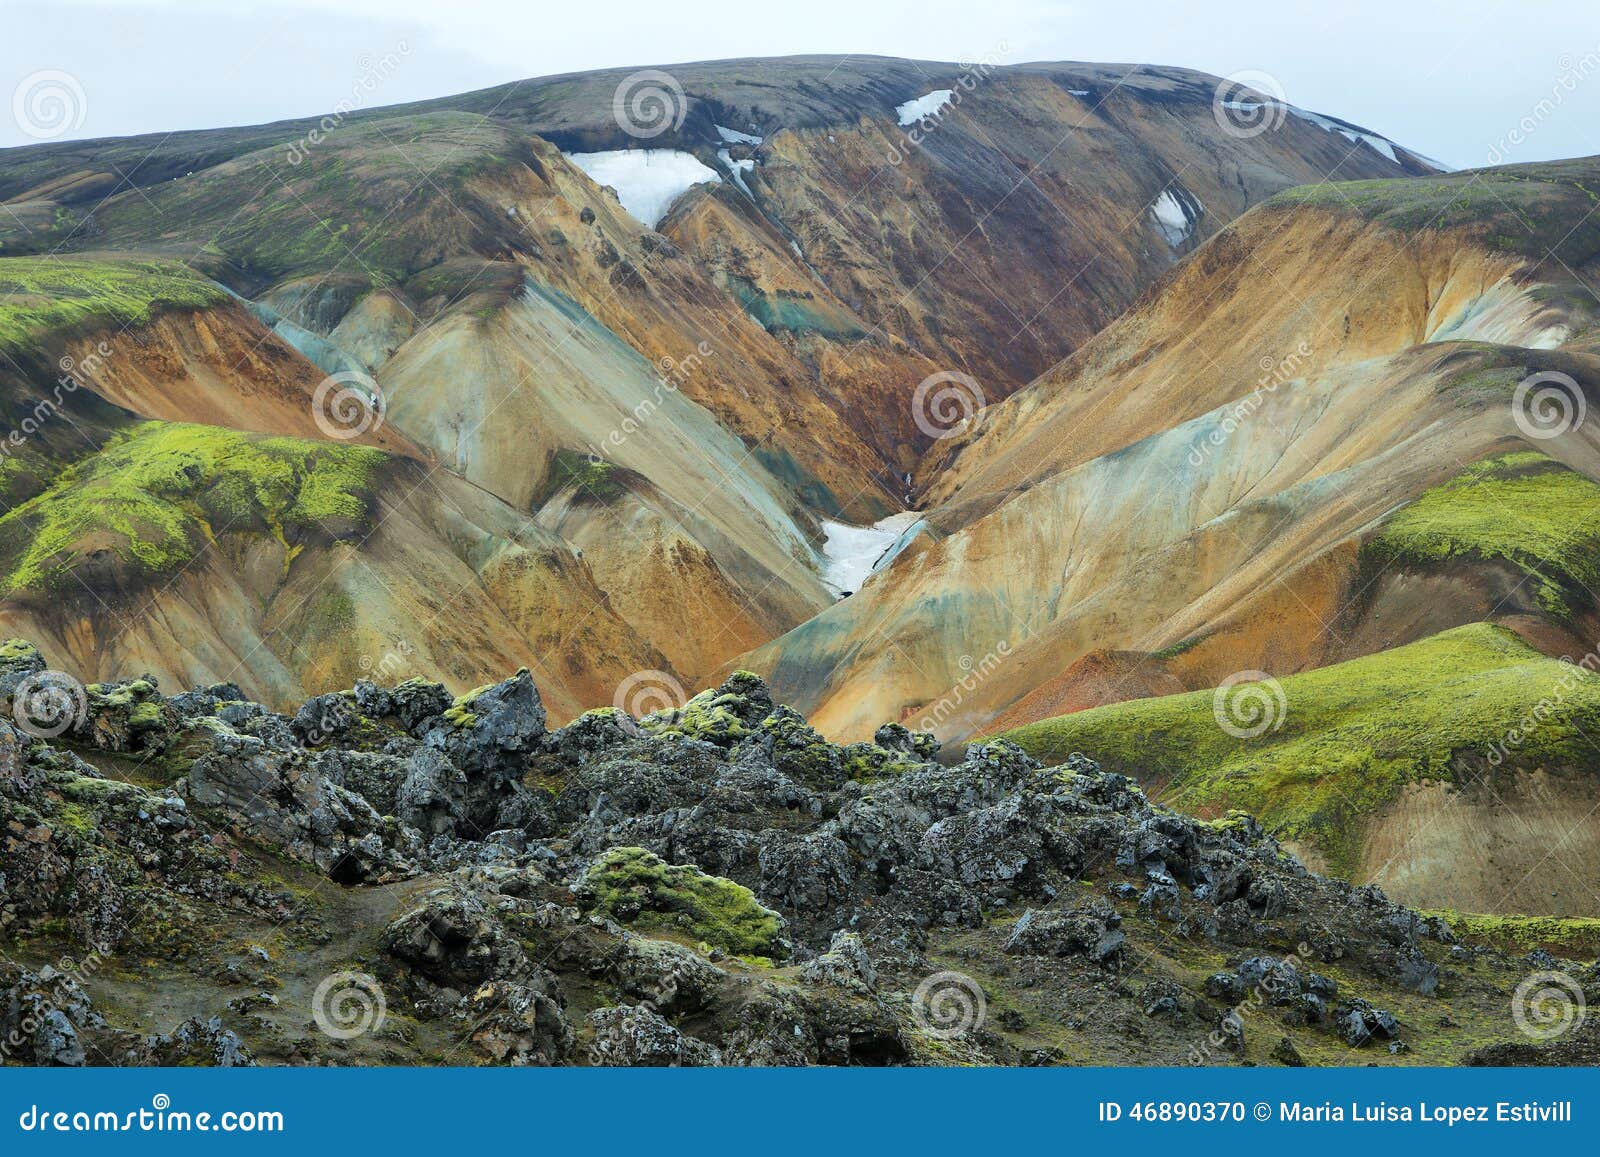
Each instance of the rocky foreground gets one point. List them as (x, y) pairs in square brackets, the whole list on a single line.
[(396, 875)]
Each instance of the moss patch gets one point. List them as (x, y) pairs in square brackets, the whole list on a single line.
[(40, 295), (1349, 737), (1574, 937), (154, 497), (640, 888), (592, 479), (1524, 509), (1530, 210)]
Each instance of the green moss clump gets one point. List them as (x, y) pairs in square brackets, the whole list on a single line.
[(460, 713), (711, 715), (868, 763), (156, 495), (1349, 737), (1524, 509), (640, 888), (119, 694), (146, 716), (40, 295), (17, 651), (77, 818), (593, 479), (1574, 937)]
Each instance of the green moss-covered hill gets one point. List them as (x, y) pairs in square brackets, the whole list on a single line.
[(154, 497), (1535, 210), (1523, 509), (53, 295), (1344, 740)]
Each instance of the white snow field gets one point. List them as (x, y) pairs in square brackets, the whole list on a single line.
[(1171, 218), (924, 106), (853, 554), (647, 181)]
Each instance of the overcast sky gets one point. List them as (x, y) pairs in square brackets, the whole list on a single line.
[(1453, 79)]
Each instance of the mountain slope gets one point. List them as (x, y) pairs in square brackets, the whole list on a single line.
[(1454, 771), (734, 371), (1207, 469)]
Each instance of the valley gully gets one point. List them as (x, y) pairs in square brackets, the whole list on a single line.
[(1328, 1112)]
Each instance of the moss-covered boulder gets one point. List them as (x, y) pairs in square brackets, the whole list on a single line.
[(128, 716), (724, 716), (640, 888)]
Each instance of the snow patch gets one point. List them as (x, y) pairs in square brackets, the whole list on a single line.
[(1171, 217), (647, 181), (924, 106), (735, 137), (738, 169), (853, 554), (1382, 144)]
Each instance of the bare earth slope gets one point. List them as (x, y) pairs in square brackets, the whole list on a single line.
[(717, 380)]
